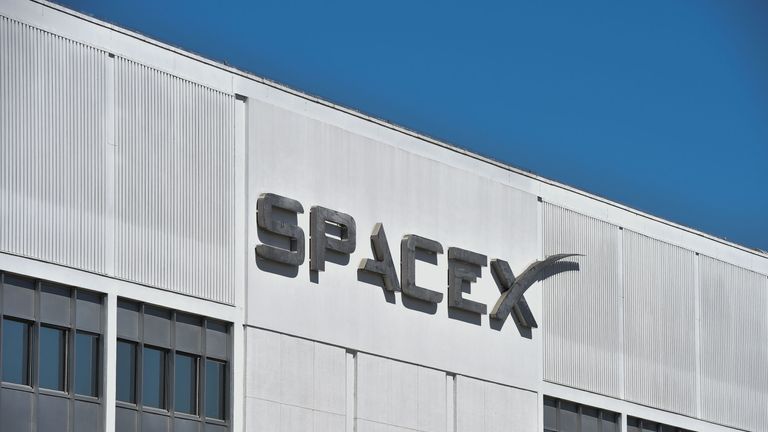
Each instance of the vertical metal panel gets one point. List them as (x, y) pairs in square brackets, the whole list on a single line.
[(582, 309), (174, 183), (734, 345), (659, 324), (52, 132)]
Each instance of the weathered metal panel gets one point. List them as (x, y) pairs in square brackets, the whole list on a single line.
[(734, 345), (52, 152), (659, 324), (582, 309), (174, 183)]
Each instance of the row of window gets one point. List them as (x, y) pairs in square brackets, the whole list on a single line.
[(168, 364), (52, 355), (635, 424), (565, 416), (171, 362), (155, 365)]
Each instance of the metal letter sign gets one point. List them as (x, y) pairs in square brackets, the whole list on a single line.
[(383, 264), (513, 288), (319, 217), (464, 267), (266, 221), (408, 247)]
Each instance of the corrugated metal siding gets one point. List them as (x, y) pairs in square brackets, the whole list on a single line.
[(52, 134), (582, 309), (174, 183), (734, 345), (659, 324)]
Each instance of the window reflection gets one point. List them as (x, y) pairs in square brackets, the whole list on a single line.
[(185, 387), (86, 364), (126, 371), (153, 381), (53, 350), (15, 352), (215, 378)]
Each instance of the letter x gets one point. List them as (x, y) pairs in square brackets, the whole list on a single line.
[(513, 288)]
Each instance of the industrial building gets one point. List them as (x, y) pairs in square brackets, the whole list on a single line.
[(187, 247)]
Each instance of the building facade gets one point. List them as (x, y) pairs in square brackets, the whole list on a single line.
[(187, 247)]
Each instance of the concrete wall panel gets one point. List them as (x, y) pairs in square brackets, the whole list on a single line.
[(488, 407), (293, 383)]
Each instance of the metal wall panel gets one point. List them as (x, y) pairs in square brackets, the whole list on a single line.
[(734, 345), (659, 324), (52, 152), (582, 309), (168, 179), (174, 183)]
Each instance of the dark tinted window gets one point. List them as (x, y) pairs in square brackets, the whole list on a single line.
[(565, 416), (153, 381), (126, 371), (215, 379), (635, 424), (86, 364), (185, 383), (550, 414), (52, 362), (15, 352)]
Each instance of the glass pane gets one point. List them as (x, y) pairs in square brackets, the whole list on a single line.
[(589, 419), (649, 426), (53, 350), (86, 364), (126, 371), (550, 414), (569, 417), (153, 378), (185, 384), (633, 424), (15, 352), (215, 380), (610, 421)]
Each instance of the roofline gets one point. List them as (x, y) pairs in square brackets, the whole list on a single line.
[(394, 127)]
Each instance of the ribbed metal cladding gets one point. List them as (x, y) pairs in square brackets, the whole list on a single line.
[(734, 345), (174, 183), (52, 135), (659, 324), (582, 309)]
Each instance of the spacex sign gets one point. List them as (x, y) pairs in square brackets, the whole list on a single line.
[(336, 232)]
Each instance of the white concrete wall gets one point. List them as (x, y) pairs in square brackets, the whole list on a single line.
[(294, 384)]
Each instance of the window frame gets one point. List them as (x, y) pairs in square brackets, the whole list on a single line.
[(30, 351), (164, 371), (99, 366), (196, 394), (66, 359), (224, 389), (136, 368)]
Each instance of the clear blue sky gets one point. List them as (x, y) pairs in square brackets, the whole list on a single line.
[(660, 105)]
